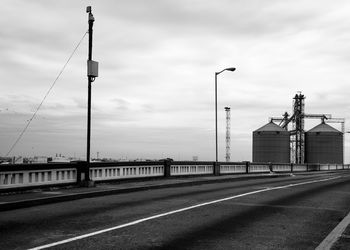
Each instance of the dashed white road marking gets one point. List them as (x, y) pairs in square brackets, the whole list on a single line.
[(176, 211)]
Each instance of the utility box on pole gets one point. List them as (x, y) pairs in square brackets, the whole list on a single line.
[(92, 68)]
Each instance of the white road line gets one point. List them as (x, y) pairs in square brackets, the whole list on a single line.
[(332, 238), (174, 212)]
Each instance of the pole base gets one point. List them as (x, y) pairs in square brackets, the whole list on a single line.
[(216, 169), (87, 183)]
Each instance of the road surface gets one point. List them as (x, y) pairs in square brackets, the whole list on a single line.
[(276, 213)]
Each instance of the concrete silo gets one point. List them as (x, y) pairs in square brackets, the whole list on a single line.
[(271, 143), (324, 144)]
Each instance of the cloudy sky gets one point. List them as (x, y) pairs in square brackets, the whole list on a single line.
[(154, 97)]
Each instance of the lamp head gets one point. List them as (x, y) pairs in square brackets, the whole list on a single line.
[(231, 69)]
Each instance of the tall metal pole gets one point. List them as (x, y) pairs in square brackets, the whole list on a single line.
[(90, 80), (216, 111), (216, 118)]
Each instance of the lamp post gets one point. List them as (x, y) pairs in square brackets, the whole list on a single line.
[(216, 111)]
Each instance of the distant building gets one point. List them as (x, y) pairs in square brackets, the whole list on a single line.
[(40, 159), (11, 160), (59, 159), (5, 160)]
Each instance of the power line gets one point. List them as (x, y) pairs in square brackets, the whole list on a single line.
[(47, 93)]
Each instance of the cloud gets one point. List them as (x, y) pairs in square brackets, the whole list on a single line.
[(155, 92)]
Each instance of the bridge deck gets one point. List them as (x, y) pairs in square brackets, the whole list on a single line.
[(291, 213)]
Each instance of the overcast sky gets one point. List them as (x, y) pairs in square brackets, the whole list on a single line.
[(154, 97)]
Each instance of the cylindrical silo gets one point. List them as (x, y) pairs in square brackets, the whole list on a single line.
[(271, 143), (324, 144)]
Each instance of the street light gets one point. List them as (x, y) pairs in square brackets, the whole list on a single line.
[(216, 110)]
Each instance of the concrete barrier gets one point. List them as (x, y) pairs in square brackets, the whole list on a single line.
[(28, 176), (37, 177), (235, 168)]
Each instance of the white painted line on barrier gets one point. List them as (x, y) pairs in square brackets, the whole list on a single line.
[(174, 212), (328, 242)]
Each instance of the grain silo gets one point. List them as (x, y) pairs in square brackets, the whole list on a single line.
[(323, 144), (271, 143)]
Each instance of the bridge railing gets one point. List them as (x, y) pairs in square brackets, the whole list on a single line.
[(190, 168), (282, 167), (33, 175), (259, 168), (101, 173), (233, 168), (38, 175), (299, 167)]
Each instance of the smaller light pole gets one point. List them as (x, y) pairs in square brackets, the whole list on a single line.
[(216, 111)]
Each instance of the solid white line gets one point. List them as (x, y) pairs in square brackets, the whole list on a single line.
[(174, 212), (328, 242)]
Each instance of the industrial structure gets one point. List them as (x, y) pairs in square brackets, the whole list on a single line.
[(228, 133), (271, 144), (322, 144)]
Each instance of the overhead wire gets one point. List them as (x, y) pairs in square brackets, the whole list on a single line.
[(47, 93)]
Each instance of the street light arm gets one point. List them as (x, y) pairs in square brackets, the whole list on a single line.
[(217, 73), (228, 69)]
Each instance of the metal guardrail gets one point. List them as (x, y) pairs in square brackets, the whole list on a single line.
[(33, 175)]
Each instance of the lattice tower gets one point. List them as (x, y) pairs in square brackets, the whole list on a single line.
[(228, 134), (298, 132)]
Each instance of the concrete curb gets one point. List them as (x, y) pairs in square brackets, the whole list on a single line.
[(76, 196)]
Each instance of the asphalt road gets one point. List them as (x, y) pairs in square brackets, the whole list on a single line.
[(278, 213)]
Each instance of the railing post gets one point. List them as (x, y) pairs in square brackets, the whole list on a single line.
[(167, 167), (270, 167), (247, 164), (216, 168), (79, 168), (84, 173)]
